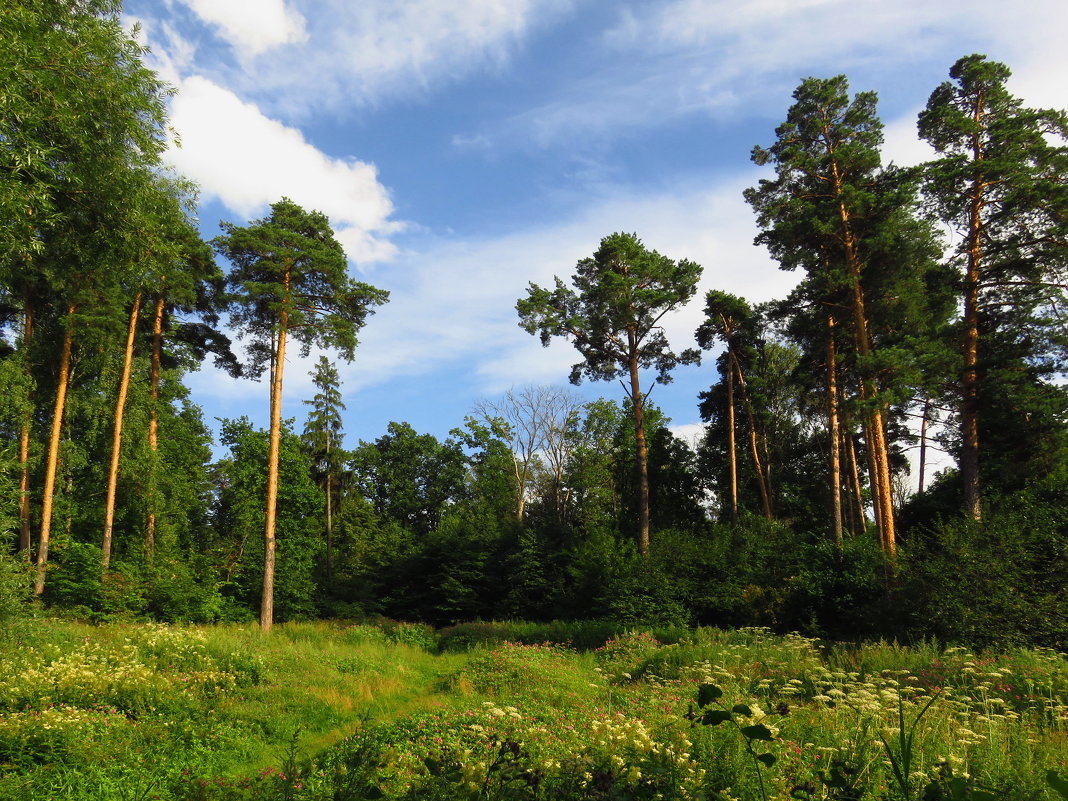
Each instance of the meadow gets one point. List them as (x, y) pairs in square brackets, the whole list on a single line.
[(340, 711)]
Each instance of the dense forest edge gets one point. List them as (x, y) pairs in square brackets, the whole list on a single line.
[(928, 316)]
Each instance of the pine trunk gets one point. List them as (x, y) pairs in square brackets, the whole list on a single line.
[(24, 450), (329, 512), (924, 419), (874, 426), (835, 435), (762, 479), (731, 444), (153, 425), (52, 460), (267, 600), (642, 451), (116, 437), (858, 487), (969, 413)]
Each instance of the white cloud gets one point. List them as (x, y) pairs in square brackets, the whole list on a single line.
[(253, 26), (247, 161), (341, 54), (453, 303)]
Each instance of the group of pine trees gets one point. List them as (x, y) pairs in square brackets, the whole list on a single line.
[(928, 314)]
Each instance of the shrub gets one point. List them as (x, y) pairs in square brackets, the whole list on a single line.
[(14, 589), (1014, 560)]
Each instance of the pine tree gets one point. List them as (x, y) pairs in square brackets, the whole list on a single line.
[(322, 440), (289, 279), (1001, 183), (612, 318)]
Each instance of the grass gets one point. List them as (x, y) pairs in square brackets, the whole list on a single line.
[(320, 711)]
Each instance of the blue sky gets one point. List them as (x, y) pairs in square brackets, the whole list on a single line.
[(463, 148)]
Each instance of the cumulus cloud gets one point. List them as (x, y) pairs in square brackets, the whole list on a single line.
[(253, 26), (247, 160)]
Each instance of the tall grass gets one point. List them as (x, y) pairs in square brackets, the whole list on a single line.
[(327, 711)]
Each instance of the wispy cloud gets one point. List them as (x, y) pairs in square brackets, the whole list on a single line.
[(454, 302), (659, 62), (303, 57), (247, 160)]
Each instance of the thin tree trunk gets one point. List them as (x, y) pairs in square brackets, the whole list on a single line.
[(48, 490), (858, 487), (153, 425), (116, 437), (731, 444), (24, 450), (762, 480), (969, 414), (874, 427), (329, 512), (329, 529), (835, 433), (520, 488), (267, 600), (642, 451), (923, 442)]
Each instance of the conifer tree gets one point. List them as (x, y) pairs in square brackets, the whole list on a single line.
[(289, 279), (322, 440), (612, 317), (832, 210), (1001, 183)]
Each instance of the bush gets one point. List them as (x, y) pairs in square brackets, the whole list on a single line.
[(15, 585), (1015, 561)]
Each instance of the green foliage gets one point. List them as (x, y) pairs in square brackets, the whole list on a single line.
[(239, 515), (289, 262), (15, 590), (1014, 560)]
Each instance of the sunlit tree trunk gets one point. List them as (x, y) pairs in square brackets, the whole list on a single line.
[(638, 404), (969, 413), (731, 444), (267, 600), (762, 479), (153, 426), (835, 435), (116, 437), (874, 424), (52, 460)]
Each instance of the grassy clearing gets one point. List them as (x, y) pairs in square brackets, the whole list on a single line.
[(322, 711)]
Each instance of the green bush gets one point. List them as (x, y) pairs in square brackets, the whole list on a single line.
[(1014, 561), (15, 584)]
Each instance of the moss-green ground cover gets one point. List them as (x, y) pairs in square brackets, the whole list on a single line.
[(331, 711)]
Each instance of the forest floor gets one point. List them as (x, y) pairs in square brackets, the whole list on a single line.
[(338, 711)]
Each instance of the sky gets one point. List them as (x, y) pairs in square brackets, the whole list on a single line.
[(464, 148)]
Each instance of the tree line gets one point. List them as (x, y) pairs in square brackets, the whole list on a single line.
[(927, 316)]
